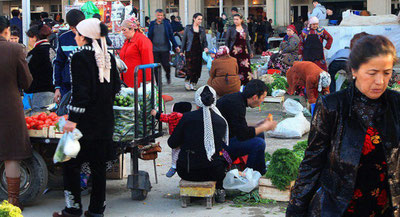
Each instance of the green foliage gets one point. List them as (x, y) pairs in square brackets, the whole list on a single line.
[(250, 199), (300, 148), (268, 157), (283, 168), (279, 83), (8, 210)]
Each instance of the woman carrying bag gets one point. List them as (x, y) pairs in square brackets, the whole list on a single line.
[(95, 81)]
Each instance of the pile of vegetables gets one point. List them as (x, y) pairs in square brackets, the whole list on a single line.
[(42, 120), (250, 199), (274, 82), (284, 165), (396, 86), (124, 101), (9, 210)]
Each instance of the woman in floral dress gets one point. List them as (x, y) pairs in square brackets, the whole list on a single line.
[(238, 41), (352, 162)]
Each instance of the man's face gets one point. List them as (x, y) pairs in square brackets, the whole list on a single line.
[(234, 12), (315, 4), (256, 101), (160, 16), (329, 12), (14, 38)]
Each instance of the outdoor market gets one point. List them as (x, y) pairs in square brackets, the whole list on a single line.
[(260, 119)]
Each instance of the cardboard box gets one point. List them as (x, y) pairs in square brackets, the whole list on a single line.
[(118, 170)]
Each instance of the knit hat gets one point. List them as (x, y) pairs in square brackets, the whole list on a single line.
[(206, 98), (90, 28), (293, 28), (182, 107)]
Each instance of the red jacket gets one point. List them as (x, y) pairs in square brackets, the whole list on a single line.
[(172, 119), (136, 51)]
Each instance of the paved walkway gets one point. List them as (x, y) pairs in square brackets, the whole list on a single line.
[(163, 199)]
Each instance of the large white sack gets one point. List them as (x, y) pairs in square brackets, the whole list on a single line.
[(355, 20), (291, 128)]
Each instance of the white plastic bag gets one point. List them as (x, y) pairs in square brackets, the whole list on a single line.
[(292, 107), (291, 128), (68, 147), (245, 182), (277, 93)]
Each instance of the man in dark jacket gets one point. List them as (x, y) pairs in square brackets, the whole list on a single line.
[(66, 44), (161, 34), (16, 21), (268, 31), (245, 140)]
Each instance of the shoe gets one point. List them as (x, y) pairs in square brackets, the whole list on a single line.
[(64, 214), (171, 172), (89, 214), (220, 196), (169, 81), (193, 86), (13, 191), (187, 86)]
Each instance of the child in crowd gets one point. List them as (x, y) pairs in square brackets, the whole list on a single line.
[(209, 58), (178, 109)]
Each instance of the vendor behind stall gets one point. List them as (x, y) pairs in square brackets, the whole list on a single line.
[(288, 51), (307, 74), (245, 140), (311, 43), (201, 135)]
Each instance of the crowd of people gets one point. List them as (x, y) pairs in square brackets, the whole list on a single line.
[(352, 158)]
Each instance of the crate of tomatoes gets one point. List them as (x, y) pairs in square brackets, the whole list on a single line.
[(39, 125)]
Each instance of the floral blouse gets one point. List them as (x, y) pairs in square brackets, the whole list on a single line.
[(371, 192)]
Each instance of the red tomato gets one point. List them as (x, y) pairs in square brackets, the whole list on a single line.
[(28, 126), (28, 119), (42, 117), (40, 122), (48, 121), (39, 127), (35, 117)]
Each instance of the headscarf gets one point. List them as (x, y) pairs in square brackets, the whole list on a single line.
[(324, 80), (222, 51), (91, 28), (293, 28), (132, 23), (208, 127), (313, 20), (213, 51)]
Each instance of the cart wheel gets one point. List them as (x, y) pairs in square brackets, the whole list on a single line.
[(34, 177), (137, 194)]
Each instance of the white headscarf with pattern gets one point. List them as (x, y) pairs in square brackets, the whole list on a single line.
[(91, 28), (208, 127)]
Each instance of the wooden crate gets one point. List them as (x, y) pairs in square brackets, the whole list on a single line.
[(54, 133), (271, 99), (269, 191), (196, 189), (43, 133)]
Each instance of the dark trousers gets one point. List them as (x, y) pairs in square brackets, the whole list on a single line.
[(266, 37), (334, 67), (163, 58), (95, 155), (214, 173), (254, 148)]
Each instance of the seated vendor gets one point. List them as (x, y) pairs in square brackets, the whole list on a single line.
[(245, 140), (288, 51), (307, 74), (201, 135)]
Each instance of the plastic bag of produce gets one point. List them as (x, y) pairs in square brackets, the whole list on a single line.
[(292, 107), (89, 9), (68, 147), (291, 128), (124, 115), (245, 181)]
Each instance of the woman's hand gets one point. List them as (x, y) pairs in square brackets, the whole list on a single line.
[(57, 96), (206, 50), (251, 56), (69, 126), (153, 112)]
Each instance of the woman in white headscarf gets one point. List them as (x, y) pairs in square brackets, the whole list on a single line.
[(95, 81), (202, 136)]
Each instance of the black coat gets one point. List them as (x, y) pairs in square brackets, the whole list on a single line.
[(231, 37), (328, 172), (91, 105), (41, 69), (189, 136), (188, 38)]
